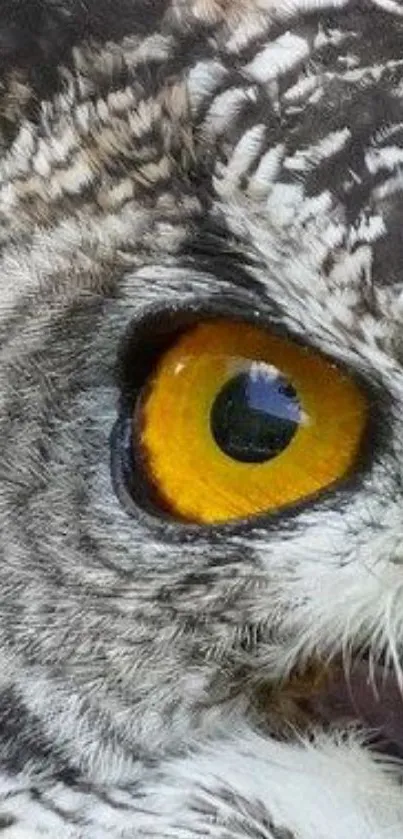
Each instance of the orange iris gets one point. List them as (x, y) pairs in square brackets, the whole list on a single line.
[(237, 422)]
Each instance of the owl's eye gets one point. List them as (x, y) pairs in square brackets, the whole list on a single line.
[(235, 421)]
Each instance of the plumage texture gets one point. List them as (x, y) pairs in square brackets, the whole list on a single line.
[(224, 156)]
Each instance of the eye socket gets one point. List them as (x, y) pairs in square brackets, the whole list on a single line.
[(235, 421)]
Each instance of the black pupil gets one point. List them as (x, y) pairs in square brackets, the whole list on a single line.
[(255, 415)]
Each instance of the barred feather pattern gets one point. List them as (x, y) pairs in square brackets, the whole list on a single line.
[(226, 156)]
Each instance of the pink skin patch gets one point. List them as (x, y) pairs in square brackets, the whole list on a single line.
[(373, 701)]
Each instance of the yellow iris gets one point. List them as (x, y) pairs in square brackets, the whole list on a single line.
[(195, 478)]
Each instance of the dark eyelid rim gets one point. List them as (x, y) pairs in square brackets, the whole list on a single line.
[(163, 324)]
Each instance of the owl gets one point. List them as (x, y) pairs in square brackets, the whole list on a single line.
[(201, 421)]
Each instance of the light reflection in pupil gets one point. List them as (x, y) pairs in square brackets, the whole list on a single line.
[(255, 415)]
